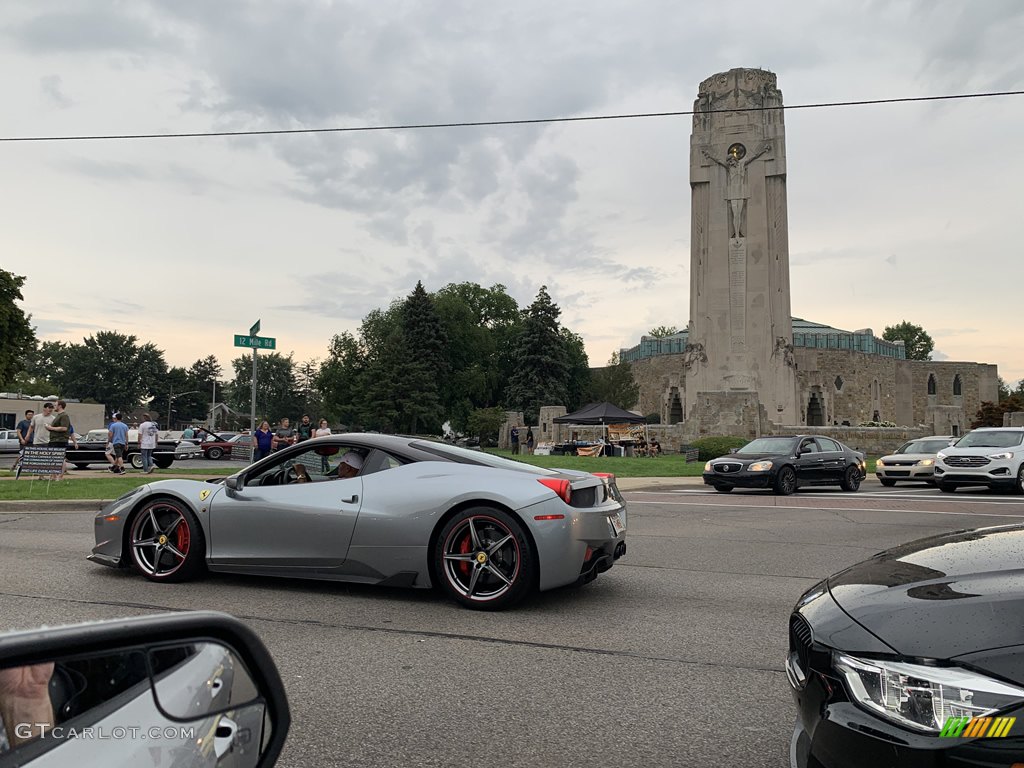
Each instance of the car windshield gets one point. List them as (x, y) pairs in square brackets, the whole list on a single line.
[(983, 439), (466, 456), (923, 446), (770, 445)]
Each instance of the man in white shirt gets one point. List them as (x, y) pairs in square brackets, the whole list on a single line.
[(147, 442), (38, 434)]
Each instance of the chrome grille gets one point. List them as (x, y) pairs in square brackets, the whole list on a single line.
[(727, 467), (966, 461)]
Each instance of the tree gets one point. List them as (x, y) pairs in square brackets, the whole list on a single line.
[(614, 384), (275, 386), (991, 414), (110, 368), (917, 343), (485, 422), (340, 379), (419, 366), (662, 331), (541, 365), (19, 339), (577, 384), (1004, 389), (306, 377)]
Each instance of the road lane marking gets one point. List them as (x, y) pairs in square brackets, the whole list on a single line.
[(826, 509)]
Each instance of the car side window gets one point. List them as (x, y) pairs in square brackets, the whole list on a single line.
[(808, 446), (378, 461), (828, 445)]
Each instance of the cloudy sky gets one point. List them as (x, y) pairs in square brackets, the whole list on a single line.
[(903, 211)]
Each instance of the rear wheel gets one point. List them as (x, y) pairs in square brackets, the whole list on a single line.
[(785, 481), (851, 479), (723, 488), (136, 460), (166, 542), (484, 560), (887, 483), (215, 453)]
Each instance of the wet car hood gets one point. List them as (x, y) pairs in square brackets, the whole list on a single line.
[(747, 458), (943, 596)]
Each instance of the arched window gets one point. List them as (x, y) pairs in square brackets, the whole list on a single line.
[(958, 386), (931, 384), (876, 391)]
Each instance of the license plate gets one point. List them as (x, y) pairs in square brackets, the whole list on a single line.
[(617, 525)]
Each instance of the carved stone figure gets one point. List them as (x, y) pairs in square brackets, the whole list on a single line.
[(784, 349), (736, 191), (693, 354)]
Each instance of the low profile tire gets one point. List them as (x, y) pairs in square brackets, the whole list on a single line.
[(887, 483), (785, 482), (851, 479), (166, 542), (484, 560), (946, 488), (136, 460), (215, 453), (723, 489)]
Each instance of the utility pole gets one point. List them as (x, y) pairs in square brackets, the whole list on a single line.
[(252, 415)]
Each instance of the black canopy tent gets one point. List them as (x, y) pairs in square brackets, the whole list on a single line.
[(600, 413), (604, 414)]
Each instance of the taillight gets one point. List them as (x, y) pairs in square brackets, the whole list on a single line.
[(604, 475), (561, 487)]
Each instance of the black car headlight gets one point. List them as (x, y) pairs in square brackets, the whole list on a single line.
[(920, 697)]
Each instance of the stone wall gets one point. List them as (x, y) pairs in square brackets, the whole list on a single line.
[(1014, 419), (873, 441), (851, 386), (978, 383), (512, 419), (657, 377)]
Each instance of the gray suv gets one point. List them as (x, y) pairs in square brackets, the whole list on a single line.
[(991, 456)]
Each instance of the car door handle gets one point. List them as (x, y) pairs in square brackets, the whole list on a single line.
[(224, 737), (351, 499), (821, 461)]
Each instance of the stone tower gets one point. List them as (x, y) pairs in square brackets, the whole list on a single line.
[(739, 361)]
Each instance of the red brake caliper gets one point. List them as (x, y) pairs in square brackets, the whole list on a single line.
[(465, 546), (183, 537)]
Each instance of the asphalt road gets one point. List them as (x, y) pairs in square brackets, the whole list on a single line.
[(672, 658)]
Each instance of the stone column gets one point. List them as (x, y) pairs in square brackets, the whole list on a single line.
[(740, 324)]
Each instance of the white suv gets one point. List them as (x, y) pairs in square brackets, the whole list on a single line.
[(992, 456)]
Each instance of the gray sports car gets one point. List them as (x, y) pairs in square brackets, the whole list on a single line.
[(376, 509)]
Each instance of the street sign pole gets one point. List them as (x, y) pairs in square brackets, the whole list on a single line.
[(252, 415)]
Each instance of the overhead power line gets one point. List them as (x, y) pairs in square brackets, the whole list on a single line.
[(485, 123)]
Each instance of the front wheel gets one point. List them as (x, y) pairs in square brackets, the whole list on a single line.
[(1019, 485), (215, 453), (785, 481), (851, 479), (166, 542), (947, 488), (723, 488), (887, 483), (484, 560), (136, 460)]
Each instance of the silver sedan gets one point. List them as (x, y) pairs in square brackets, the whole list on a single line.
[(376, 509)]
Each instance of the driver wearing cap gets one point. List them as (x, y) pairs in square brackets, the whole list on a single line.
[(350, 465)]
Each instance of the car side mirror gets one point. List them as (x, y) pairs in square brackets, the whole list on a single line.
[(182, 687), (233, 483), (805, 449)]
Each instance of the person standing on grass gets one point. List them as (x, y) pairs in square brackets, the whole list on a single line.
[(37, 432), (514, 438), (23, 429), (147, 442), (529, 440), (117, 434), (60, 429)]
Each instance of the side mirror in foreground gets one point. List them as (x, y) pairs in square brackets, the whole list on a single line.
[(178, 689)]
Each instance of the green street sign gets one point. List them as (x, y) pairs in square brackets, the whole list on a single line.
[(258, 342), (255, 328)]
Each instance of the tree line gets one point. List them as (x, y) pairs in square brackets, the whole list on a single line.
[(463, 354)]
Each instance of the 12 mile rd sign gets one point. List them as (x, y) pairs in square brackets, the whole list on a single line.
[(257, 342)]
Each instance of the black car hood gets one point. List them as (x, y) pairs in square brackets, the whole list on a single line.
[(941, 597), (747, 458)]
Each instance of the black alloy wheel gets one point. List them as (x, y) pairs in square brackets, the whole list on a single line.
[(166, 542), (484, 560), (1019, 486), (887, 483), (215, 453), (785, 481), (851, 479)]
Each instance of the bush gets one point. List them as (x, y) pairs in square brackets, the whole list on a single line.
[(713, 447)]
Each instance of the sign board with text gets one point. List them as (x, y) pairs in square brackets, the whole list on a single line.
[(42, 459), (257, 342)]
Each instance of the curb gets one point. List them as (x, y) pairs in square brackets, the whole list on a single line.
[(53, 505)]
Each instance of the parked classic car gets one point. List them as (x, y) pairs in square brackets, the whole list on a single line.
[(92, 450)]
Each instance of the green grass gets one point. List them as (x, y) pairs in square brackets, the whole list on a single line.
[(38, 489), (672, 465)]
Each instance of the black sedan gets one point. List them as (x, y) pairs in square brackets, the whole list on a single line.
[(914, 657), (787, 463)]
